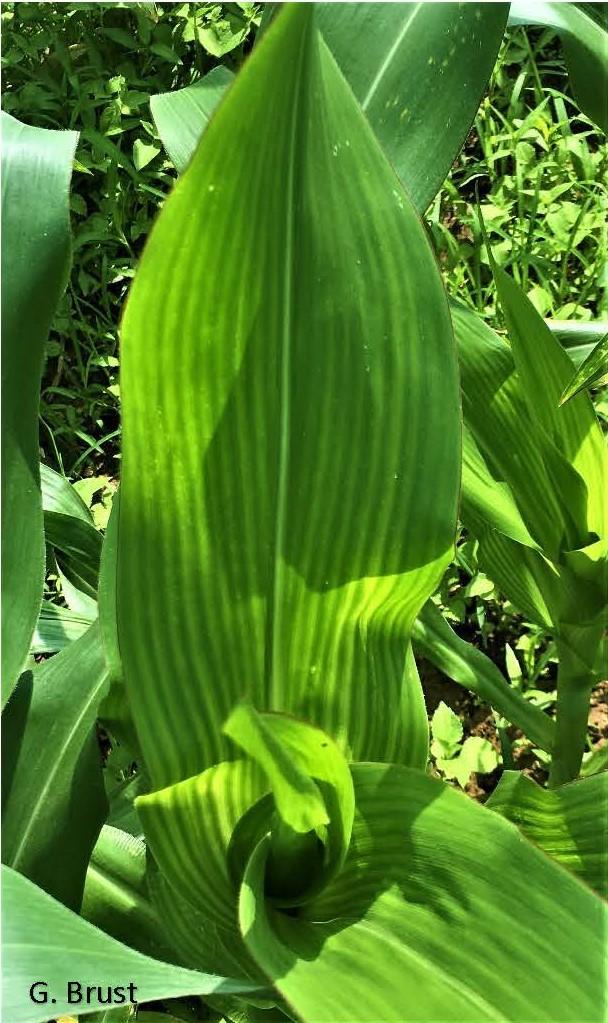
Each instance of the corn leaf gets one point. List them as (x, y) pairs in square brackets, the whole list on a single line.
[(563, 821), (37, 929), (116, 897), (60, 497), (182, 116), (574, 446), (114, 711), (196, 815), (77, 545), (595, 762), (56, 628), (122, 814), (571, 592), (53, 796), (527, 578), (498, 419), (220, 815), (107, 594), (552, 465), (70, 531), (269, 398), (317, 760), (408, 929), (198, 940), (195, 821), (486, 499), (592, 371), (36, 168), (125, 1014), (419, 71), (578, 337), (296, 795)]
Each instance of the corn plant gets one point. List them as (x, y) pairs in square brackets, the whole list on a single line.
[(534, 494), (292, 461)]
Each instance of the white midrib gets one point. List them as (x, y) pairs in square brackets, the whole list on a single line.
[(390, 56), (53, 772), (275, 610)]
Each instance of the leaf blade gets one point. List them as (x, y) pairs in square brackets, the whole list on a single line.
[(182, 116), (248, 544), (405, 932), (38, 929), (35, 259), (419, 71), (54, 803), (561, 821), (592, 370)]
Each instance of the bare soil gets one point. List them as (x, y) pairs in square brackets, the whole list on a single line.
[(477, 719)]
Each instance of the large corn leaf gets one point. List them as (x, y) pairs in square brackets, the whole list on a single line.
[(437, 915), (291, 428), (404, 928), (419, 71), (563, 822), (53, 796), (42, 936), (36, 168)]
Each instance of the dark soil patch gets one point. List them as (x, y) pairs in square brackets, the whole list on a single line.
[(526, 761), (476, 717), (438, 688)]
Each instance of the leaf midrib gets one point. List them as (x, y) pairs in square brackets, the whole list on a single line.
[(390, 56), (276, 604)]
